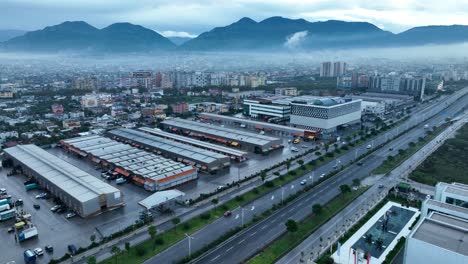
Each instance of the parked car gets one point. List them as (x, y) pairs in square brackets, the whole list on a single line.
[(71, 249), (56, 207), (70, 215), (227, 213), (10, 230), (359, 163), (60, 210), (19, 202), (36, 206), (294, 149), (120, 181), (41, 196), (3, 191), (49, 248), (38, 251)]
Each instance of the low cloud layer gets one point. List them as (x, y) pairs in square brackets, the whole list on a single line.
[(295, 40)]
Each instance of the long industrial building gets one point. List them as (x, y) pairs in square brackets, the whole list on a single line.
[(236, 138), (144, 168), (206, 160), (234, 154), (81, 192), (258, 125)]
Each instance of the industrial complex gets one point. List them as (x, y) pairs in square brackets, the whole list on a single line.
[(234, 138), (83, 193), (149, 170), (201, 158)]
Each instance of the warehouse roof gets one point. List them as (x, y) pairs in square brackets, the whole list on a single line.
[(229, 151), (254, 122), (159, 198), (180, 150), (131, 159), (64, 175), (232, 134)]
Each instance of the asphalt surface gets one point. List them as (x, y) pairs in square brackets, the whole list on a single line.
[(249, 241)]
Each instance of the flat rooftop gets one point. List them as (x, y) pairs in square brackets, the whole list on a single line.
[(70, 179), (232, 134), (314, 100), (158, 132), (131, 159), (444, 231), (254, 122), (160, 197)]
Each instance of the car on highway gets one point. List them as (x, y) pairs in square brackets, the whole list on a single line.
[(359, 163), (38, 251), (303, 182), (369, 146), (37, 206), (41, 196), (70, 215), (72, 249), (227, 213), (390, 149), (322, 175), (381, 186)]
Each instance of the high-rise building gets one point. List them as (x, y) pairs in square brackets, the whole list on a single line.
[(414, 86), (339, 68), (326, 69)]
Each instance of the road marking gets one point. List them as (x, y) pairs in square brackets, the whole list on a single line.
[(240, 242), (263, 227), (229, 249), (237, 216), (272, 197), (253, 208), (253, 233), (290, 210), (215, 258), (283, 215)]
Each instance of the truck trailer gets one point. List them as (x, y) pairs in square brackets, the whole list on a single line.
[(5, 201), (29, 256), (27, 234), (31, 186), (5, 215), (4, 207)]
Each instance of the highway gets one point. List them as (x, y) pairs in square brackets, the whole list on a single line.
[(249, 241)]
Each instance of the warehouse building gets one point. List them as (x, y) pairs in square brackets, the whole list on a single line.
[(234, 154), (258, 125), (206, 160), (144, 168), (81, 192), (234, 138)]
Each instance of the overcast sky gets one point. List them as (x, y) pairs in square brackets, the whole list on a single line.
[(183, 17)]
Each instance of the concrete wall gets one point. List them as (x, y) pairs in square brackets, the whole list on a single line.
[(417, 251)]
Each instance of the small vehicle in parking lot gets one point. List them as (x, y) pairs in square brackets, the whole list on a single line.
[(10, 230), (38, 251), (49, 248), (19, 202), (303, 182), (70, 215), (36, 206), (227, 213), (41, 196), (71, 249), (55, 208), (294, 149), (3, 191), (120, 181), (60, 210)]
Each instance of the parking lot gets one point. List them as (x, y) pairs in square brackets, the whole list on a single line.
[(56, 230)]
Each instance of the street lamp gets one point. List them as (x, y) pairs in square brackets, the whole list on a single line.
[(189, 243)]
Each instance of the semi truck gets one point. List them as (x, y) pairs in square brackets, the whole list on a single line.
[(29, 256), (4, 207), (31, 186), (27, 234), (5, 201), (5, 215)]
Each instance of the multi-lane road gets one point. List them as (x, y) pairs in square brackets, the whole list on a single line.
[(251, 240)]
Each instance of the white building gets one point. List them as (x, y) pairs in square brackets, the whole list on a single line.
[(324, 113), (266, 107), (441, 236), (374, 108)]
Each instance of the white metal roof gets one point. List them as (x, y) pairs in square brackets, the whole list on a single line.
[(159, 198), (64, 175)]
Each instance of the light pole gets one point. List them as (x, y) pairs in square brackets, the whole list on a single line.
[(242, 215), (282, 194), (189, 244)]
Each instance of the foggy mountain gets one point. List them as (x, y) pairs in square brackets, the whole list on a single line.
[(6, 34), (271, 34), (80, 36)]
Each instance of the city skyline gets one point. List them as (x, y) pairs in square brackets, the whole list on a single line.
[(188, 19)]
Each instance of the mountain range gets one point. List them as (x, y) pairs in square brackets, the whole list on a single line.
[(274, 33)]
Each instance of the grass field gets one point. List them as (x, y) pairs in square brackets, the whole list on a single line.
[(447, 164), (290, 240)]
